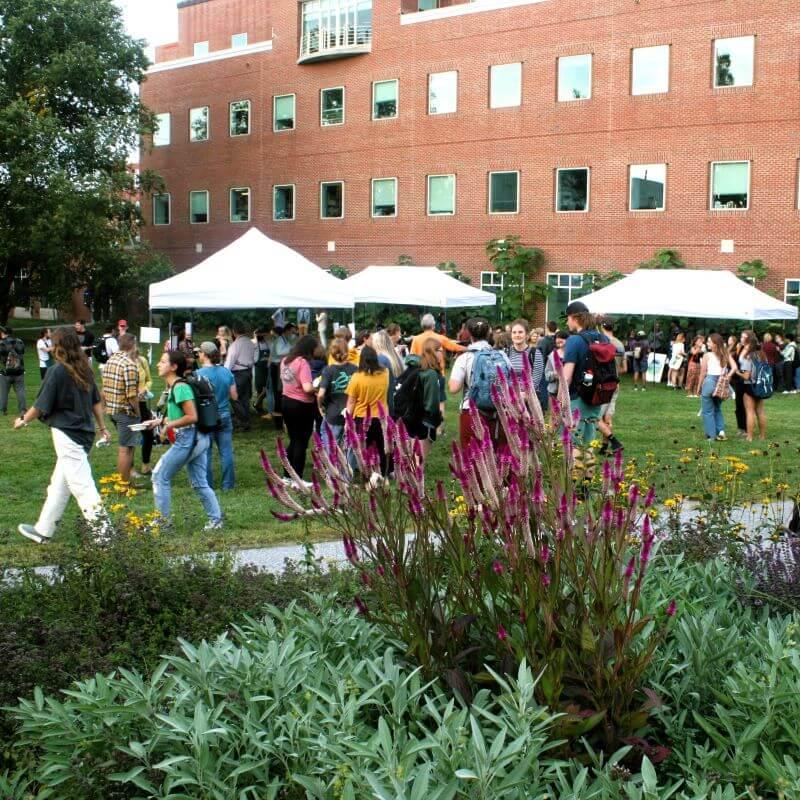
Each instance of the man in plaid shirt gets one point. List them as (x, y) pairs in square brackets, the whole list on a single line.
[(121, 398)]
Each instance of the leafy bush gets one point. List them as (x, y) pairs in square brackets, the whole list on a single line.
[(770, 574)]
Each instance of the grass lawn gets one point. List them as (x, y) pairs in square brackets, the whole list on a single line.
[(659, 421)]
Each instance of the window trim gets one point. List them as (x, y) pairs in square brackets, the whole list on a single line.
[(167, 114), (489, 192), (208, 206), (276, 186), (588, 195), (669, 70), (275, 99), (633, 210), (249, 204), (239, 46), (208, 124), (591, 78), (428, 194), (372, 198), (493, 285), (328, 183), (396, 81), (441, 113), (547, 276), (506, 64), (786, 282), (322, 123), (231, 134), (168, 195), (195, 54), (714, 84), (711, 183)]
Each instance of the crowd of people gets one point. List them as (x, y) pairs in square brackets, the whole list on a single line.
[(283, 375)]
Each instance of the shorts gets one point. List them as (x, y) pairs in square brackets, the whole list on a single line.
[(127, 437), (640, 365), (442, 393), (422, 432), (610, 408)]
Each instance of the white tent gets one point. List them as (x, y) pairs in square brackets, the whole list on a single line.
[(700, 294), (415, 286), (252, 272)]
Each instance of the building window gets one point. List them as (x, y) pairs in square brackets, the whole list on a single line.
[(443, 92), (492, 282), (240, 118), (503, 192), (562, 289), (240, 205), (328, 26), (332, 106), (161, 209), (283, 202), (733, 61), (331, 200), (505, 85), (575, 77), (283, 112), (384, 99), (650, 70), (572, 189), (198, 124), (441, 195), (238, 40), (648, 187), (730, 185), (198, 207), (384, 197), (161, 134), (200, 49), (791, 292)]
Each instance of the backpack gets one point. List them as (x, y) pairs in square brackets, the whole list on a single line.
[(205, 400), (484, 375), (541, 388), (13, 364), (407, 396), (599, 381), (761, 380), (100, 353)]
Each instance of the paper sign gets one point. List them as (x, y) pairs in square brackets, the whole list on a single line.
[(150, 335)]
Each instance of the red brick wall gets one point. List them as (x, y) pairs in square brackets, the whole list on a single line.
[(688, 128)]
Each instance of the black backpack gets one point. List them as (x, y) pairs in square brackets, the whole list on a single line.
[(12, 365), (100, 353), (407, 393), (208, 419), (598, 380)]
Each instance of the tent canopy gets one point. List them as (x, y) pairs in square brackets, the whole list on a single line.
[(415, 286), (252, 272), (701, 294)]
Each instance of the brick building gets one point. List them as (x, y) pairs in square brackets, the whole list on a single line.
[(599, 130)]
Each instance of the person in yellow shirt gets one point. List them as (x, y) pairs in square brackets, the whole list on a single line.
[(344, 335), (367, 392), (145, 395)]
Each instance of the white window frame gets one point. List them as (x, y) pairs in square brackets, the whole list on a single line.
[(275, 99), (322, 184), (558, 78), (588, 194), (492, 68), (669, 69), (249, 204), (372, 198), (428, 194), (711, 183), (570, 287), (168, 195), (489, 192), (168, 117), (396, 82), (208, 124), (249, 119), (322, 122), (234, 45), (208, 206), (204, 49), (488, 287), (630, 190), (714, 62), (791, 298), (294, 202), (430, 76)]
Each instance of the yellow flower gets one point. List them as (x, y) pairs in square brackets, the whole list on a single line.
[(595, 444), (117, 507), (755, 452), (105, 491), (670, 503), (685, 460), (717, 489)]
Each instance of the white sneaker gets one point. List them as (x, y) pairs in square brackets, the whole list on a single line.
[(30, 532), (213, 525)]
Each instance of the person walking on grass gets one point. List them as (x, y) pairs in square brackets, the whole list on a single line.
[(713, 376), (145, 396), (12, 370), (69, 404), (641, 351), (693, 366), (426, 416), (240, 359), (44, 349), (608, 410), (332, 394), (676, 362), (751, 358), (788, 363), (190, 446)]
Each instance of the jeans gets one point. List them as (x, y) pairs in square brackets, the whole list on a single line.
[(223, 438), (148, 436), (189, 450), (586, 429), (299, 420), (713, 421), (275, 387), (797, 378), (244, 388), (336, 433), (18, 382), (72, 476), (737, 384)]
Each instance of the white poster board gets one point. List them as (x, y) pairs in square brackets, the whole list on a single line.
[(150, 335), (655, 367)]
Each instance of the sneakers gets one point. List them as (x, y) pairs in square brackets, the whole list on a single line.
[(721, 437), (213, 525), (30, 532)]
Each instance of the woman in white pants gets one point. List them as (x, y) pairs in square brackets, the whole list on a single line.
[(67, 401)]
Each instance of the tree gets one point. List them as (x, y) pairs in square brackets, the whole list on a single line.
[(338, 271), (756, 270), (664, 259), (519, 266), (69, 117)]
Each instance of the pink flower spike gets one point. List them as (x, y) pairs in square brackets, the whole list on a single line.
[(497, 567), (502, 633), (544, 554), (647, 529), (608, 514), (361, 606), (633, 495), (629, 569), (440, 492), (546, 580), (618, 460), (651, 497), (672, 608), (380, 570)]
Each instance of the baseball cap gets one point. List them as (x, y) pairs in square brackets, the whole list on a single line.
[(641, 333), (123, 323), (576, 307), (209, 348)]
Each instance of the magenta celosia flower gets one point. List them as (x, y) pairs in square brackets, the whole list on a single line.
[(629, 569), (380, 570), (441, 496), (633, 495), (562, 506), (497, 567), (545, 580), (365, 579), (544, 554), (608, 514), (651, 496), (672, 608), (361, 606), (502, 633), (285, 517)]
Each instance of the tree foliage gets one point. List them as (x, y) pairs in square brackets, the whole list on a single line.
[(666, 258), (755, 269), (519, 267), (69, 117)]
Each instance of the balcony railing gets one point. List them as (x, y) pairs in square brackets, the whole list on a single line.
[(319, 44)]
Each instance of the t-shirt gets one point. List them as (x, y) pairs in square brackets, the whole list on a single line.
[(745, 365), (576, 351), (462, 369), (788, 352), (41, 350), (335, 380), (293, 376), (180, 393), (221, 379), (64, 406), (369, 391), (546, 344), (517, 358)]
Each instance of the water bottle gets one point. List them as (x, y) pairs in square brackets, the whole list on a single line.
[(588, 378)]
